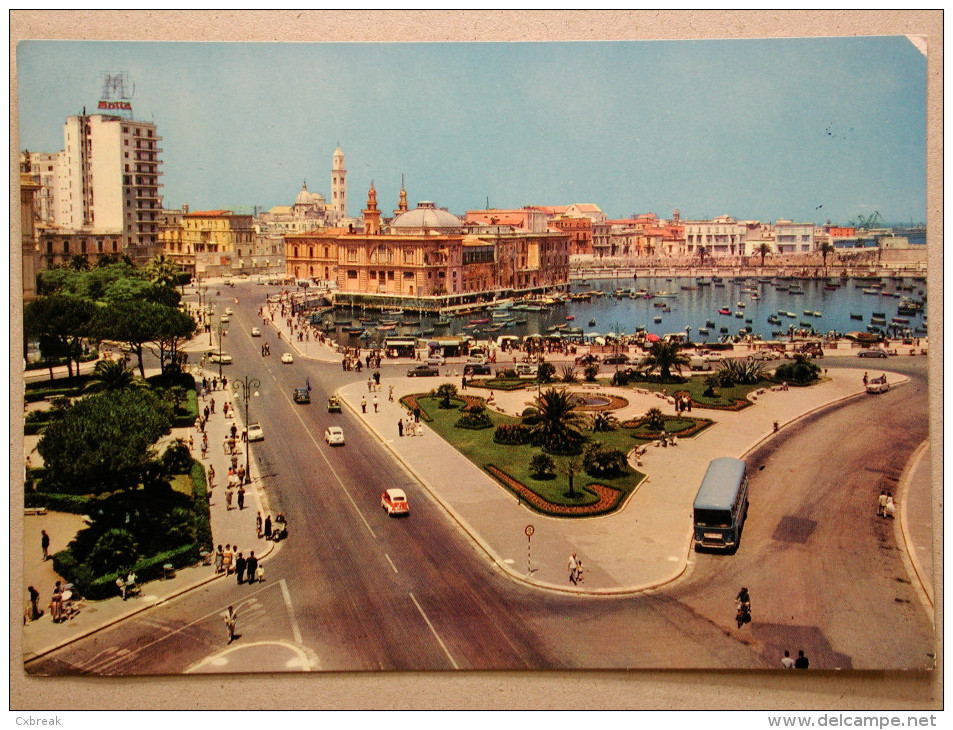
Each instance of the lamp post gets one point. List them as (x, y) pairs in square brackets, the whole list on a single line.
[(246, 388), (219, 348)]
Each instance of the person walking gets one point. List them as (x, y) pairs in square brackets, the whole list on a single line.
[(230, 617), (227, 557), (268, 527), (240, 565), (258, 524), (45, 544), (578, 571), (219, 557), (228, 497), (865, 380), (400, 426), (363, 404), (390, 394), (241, 497), (802, 661), (882, 503), (375, 404), (573, 567), (251, 567), (35, 611), (786, 661), (890, 509)]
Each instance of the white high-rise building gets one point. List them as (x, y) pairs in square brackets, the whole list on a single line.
[(338, 186), (107, 181)]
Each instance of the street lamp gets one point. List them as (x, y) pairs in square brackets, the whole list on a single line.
[(219, 348), (246, 388)]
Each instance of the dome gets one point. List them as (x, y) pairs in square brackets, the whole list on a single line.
[(426, 216), (304, 197)]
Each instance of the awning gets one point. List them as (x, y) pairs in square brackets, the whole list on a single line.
[(400, 342), (652, 337)]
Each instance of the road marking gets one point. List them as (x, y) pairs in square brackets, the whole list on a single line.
[(391, 562), (434, 632), (295, 631)]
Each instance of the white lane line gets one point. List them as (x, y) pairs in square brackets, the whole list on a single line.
[(434, 632), (391, 562), (295, 631)]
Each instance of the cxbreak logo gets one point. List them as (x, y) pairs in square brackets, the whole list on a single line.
[(118, 89)]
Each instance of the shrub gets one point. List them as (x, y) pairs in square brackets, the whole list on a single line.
[(116, 550), (603, 421), (800, 371), (569, 374), (515, 435), (655, 419), (177, 459), (546, 372), (542, 466), (445, 393), (475, 417), (600, 461), (590, 372), (507, 374), (203, 527)]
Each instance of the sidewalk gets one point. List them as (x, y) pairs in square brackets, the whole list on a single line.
[(235, 527)]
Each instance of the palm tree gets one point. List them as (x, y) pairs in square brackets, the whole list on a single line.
[(702, 253), (555, 421), (604, 421), (665, 356), (763, 250), (113, 375), (826, 248), (79, 262), (163, 271)]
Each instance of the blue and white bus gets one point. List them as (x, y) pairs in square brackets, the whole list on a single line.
[(721, 505)]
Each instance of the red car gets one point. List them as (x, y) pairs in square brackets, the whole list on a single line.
[(394, 501)]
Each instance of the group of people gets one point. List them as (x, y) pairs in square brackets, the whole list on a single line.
[(800, 663), (885, 505), (408, 426), (575, 569), (229, 560)]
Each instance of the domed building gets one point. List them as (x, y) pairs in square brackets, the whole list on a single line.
[(426, 220)]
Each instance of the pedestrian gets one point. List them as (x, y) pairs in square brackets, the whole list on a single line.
[(219, 557), (56, 603), (363, 405), (370, 384), (400, 426), (578, 570), (204, 449), (390, 394), (230, 616), (801, 662), (375, 404), (211, 476), (45, 544), (241, 475), (573, 566), (241, 497), (417, 414), (206, 412), (233, 431), (228, 497), (882, 503), (240, 564), (890, 508), (258, 525), (35, 611), (787, 662), (214, 387), (212, 403), (267, 532), (251, 567), (224, 383), (865, 380), (227, 557)]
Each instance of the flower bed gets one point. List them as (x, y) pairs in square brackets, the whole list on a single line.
[(699, 425), (607, 497), (412, 402)]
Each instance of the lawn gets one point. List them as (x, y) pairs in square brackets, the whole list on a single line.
[(481, 449), (695, 386)]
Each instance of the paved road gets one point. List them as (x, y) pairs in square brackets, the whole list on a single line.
[(355, 590)]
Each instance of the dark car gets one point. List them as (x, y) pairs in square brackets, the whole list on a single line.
[(587, 359), (616, 360), (421, 370), (301, 395), (476, 368), (873, 352)]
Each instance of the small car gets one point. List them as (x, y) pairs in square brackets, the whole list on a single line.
[(872, 352), (475, 368), (436, 360), (422, 370), (394, 502), (229, 312), (255, 433), (301, 395), (480, 359), (287, 358), (587, 359), (525, 369), (878, 385), (616, 360), (334, 435), (334, 404), (256, 331), (220, 357), (225, 319)]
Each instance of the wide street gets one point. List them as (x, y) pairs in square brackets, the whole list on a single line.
[(352, 589)]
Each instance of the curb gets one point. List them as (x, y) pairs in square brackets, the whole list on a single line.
[(923, 588)]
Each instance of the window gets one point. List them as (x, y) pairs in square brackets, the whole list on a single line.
[(351, 274)]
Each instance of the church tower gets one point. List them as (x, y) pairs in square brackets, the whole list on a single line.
[(339, 185), (372, 216)]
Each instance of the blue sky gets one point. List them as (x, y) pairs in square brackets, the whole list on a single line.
[(806, 129)]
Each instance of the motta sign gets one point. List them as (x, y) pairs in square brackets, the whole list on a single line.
[(115, 105), (118, 89)]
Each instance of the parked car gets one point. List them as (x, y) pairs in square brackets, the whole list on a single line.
[(476, 368), (478, 358), (394, 501), (224, 319), (229, 312), (256, 331), (301, 395), (220, 357), (334, 435), (878, 385), (587, 359), (872, 352), (436, 360), (525, 369), (422, 370), (255, 432), (616, 359), (287, 358)]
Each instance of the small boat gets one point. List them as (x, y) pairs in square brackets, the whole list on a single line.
[(816, 313), (741, 304), (689, 288), (805, 324), (723, 330), (386, 327), (443, 321), (367, 322), (748, 320), (724, 310), (667, 294), (774, 319), (900, 320), (792, 315), (592, 323), (570, 318), (703, 330), (353, 330), (657, 320), (485, 320), (709, 323), (795, 290), (739, 315), (856, 316), (870, 290), (718, 283)]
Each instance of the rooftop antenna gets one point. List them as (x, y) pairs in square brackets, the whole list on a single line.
[(487, 202)]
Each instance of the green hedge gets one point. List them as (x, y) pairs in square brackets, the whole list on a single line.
[(203, 525), (72, 503), (145, 570)]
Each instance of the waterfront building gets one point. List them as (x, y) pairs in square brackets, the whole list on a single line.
[(427, 252), (718, 237), (794, 237)]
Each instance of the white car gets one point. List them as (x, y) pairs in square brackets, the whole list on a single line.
[(436, 360), (225, 319), (394, 501), (229, 312), (287, 358), (256, 331), (220, 357), (334, 435), (255, 433), (878, 385)]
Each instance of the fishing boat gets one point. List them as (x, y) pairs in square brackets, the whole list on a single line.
[(592, 323), (900, 320), (724, 310), (723, 330), (657, 320), (741, 304), (739, 315), (703, 330), (570, 318), (666, 294), (774, 319), (386, 327), (484, 320), (856, 316), (871, 290), (709, 323), (352, 330), (792, 315)]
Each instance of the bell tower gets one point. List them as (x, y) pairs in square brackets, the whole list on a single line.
[(339, 185), (402, 205)]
